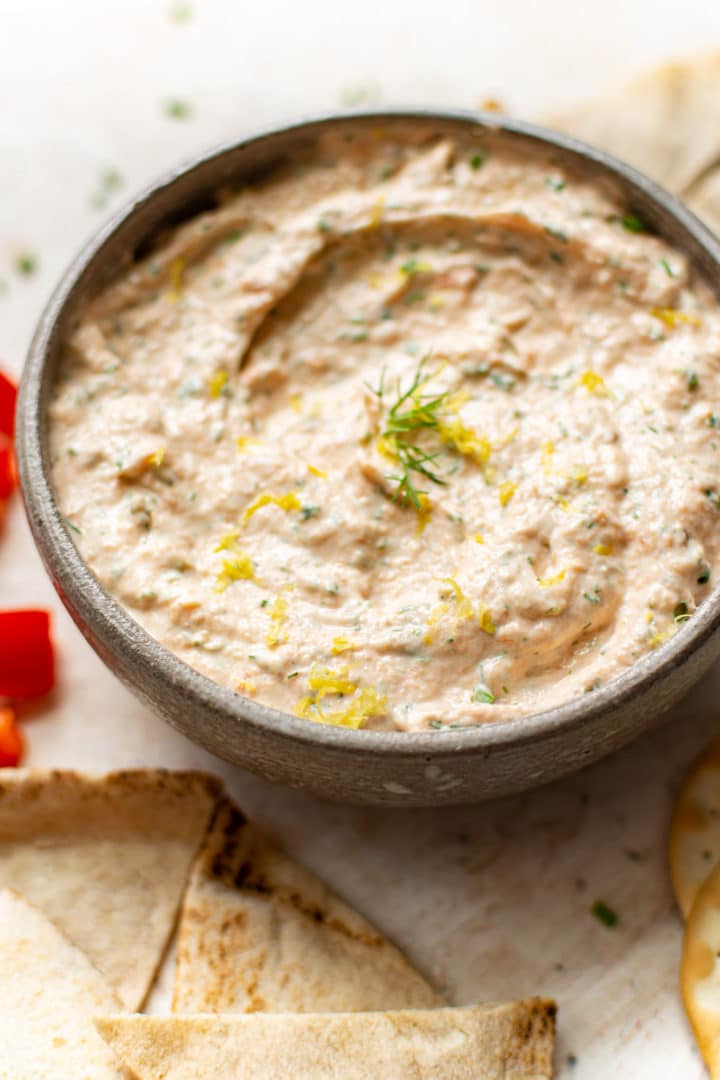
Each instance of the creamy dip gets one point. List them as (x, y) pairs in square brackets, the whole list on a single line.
[(417, 431)]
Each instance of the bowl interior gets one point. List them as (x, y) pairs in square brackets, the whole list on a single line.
[(138, 658)]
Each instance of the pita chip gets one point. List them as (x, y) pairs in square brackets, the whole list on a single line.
[(50, 993), (499, 1042), (666, 123), (259, 933), (106, 859)]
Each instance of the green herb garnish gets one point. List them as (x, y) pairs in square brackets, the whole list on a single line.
[(412, 413), (477, 161), (680, 612), (667, 267), (177, 109), (26, 264), (605, 914), (634, 224), (692, 380), (481, 694)]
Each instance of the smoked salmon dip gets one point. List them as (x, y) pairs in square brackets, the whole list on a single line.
[(418, 430)]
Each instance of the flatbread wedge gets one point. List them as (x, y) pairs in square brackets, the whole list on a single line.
[(694, 846), (510, 1041), (666, 123), (106, 858), (700, 971), (259, 933), (49, 992)]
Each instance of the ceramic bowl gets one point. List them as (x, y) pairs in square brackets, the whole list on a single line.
[(394, 768)]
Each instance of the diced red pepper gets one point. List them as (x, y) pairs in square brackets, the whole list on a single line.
[(8, 477), (8, 399), (27, 659), (11, 741)]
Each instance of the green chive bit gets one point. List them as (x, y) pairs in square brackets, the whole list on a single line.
[(180, 13), (177, 109), (26, 264), (634, 224), (605, 914), (477, 161)]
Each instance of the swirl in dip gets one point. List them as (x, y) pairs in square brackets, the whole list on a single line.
[(416, 431)]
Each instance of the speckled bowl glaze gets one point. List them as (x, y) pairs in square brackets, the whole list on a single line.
[(394, 768)]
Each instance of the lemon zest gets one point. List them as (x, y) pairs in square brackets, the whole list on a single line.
[(486, 621), (227, 542), (341, 645), (156, 459), (478, 538), (548, 582), (673, 318), (239, 568), (603, 549), (244, 441), (288, 501), (376, 214), (296, 403), (506, 492), (246, 686), (177, 269), (594, 384), (547, 450), (317, 472), (217, 382), (322, 681), (433, 618), (278, 615), (662, 636), (580, 476), (466, 441)]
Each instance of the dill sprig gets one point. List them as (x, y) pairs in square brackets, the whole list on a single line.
[(412, 413)]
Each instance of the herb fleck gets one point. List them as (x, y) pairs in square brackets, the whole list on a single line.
[(634, 224), (26, 264), (604, 914), (177, 109)]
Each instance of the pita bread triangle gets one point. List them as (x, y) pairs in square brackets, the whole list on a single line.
[(259, 933), (667, 124), (50, 993), (493, 1042), (106, 859)]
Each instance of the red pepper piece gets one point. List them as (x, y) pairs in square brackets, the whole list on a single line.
[(12, 744), (27, 659), (8, 477), (8, 399)]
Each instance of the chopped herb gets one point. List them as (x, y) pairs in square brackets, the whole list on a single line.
[(308, 512), (692, 380), (264, 603), (481, 694), (477, 161), (704, 576), (323, 224), (180, 13), (555, 183), (482, 268), (667, 268), (26, 264), (592, 598), (412, 413), (293, 675), (713, 421), (437, 724), (72, 526), (557, 234), (634, 224), (502, 380), (604, 914), (177, 109), (680, 612), (556, 257)]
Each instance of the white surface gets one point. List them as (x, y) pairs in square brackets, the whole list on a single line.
[(493, 900)]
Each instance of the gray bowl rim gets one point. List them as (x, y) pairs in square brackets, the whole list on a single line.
[(113, 627)]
